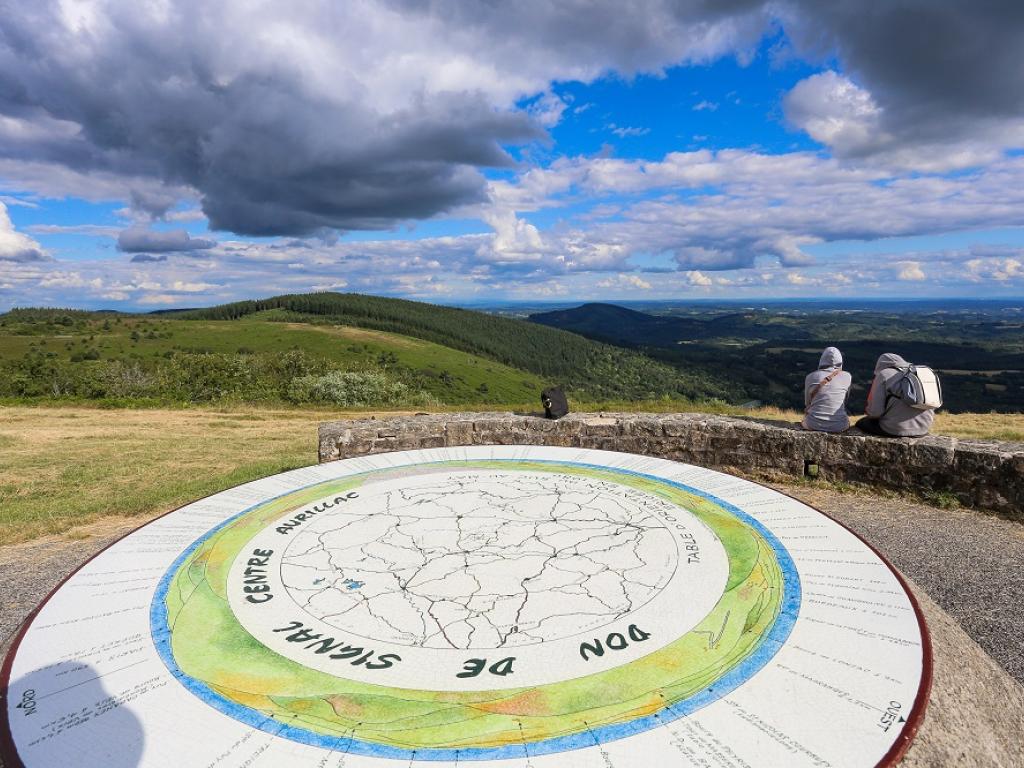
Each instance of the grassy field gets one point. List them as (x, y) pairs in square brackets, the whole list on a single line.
[(148, 340), (61, 467), (69, 466)]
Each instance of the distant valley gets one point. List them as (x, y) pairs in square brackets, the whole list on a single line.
[(763, 353)]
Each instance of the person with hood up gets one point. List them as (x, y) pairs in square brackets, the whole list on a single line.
[(886, 414), (825, 394)]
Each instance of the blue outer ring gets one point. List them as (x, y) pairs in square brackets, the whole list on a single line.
[(770, 644)]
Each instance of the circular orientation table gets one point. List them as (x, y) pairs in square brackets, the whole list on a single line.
[(519, 606)]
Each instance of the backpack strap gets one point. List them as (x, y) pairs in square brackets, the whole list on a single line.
[(893, 384), (818, 386)]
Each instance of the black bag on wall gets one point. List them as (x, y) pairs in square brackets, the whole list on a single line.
[(555, 404)]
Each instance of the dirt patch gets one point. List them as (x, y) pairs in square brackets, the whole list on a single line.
[(361, 335)]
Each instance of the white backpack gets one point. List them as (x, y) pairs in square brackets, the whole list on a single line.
[(918, 387)]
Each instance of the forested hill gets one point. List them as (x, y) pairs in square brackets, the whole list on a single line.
[(620, 325), (592, 368)]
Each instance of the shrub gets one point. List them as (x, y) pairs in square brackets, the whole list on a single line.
[(296, 363), (206, 377), (351, 389), (125, 380), (188, 377)]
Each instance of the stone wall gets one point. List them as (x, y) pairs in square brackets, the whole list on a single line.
[(987, 475)]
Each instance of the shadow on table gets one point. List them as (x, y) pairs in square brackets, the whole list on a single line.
[(69, 715)]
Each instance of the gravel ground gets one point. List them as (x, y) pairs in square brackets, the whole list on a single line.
[(971, 564), (29, 571)]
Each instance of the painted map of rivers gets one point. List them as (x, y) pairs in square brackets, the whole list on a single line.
[(467, 563)]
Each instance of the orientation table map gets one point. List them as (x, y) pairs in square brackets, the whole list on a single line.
[(523, 607)]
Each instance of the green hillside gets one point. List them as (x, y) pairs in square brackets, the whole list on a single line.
[(345, 350), (591, 368)]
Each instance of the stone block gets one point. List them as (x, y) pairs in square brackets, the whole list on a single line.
[(458, 433), (642, 426), (530, 424), (601, 427)]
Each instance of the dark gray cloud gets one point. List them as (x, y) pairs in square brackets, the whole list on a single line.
[(151, 241), (22, 255), (267, 153), (153, 203), (294, 121), (625, 36), (313, 117), (930, 64), (960, 57), (937, 68)]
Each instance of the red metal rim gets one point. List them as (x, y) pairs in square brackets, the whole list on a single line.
[(916, 716)]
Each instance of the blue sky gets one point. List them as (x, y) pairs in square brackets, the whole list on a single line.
[(467, 153), (719, 105)]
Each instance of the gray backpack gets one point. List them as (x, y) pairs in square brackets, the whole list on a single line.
[(918, 387)]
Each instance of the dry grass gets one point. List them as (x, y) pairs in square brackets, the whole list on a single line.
[(65, 468), (981, 426)]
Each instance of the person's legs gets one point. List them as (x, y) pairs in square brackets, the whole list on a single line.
[(871, 426)]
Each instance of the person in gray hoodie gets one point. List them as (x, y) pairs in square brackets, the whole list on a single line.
[(825, 393), (886, 414)]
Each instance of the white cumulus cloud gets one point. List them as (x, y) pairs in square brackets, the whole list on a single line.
[(15, 246), (836, 112), (911, 271)]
